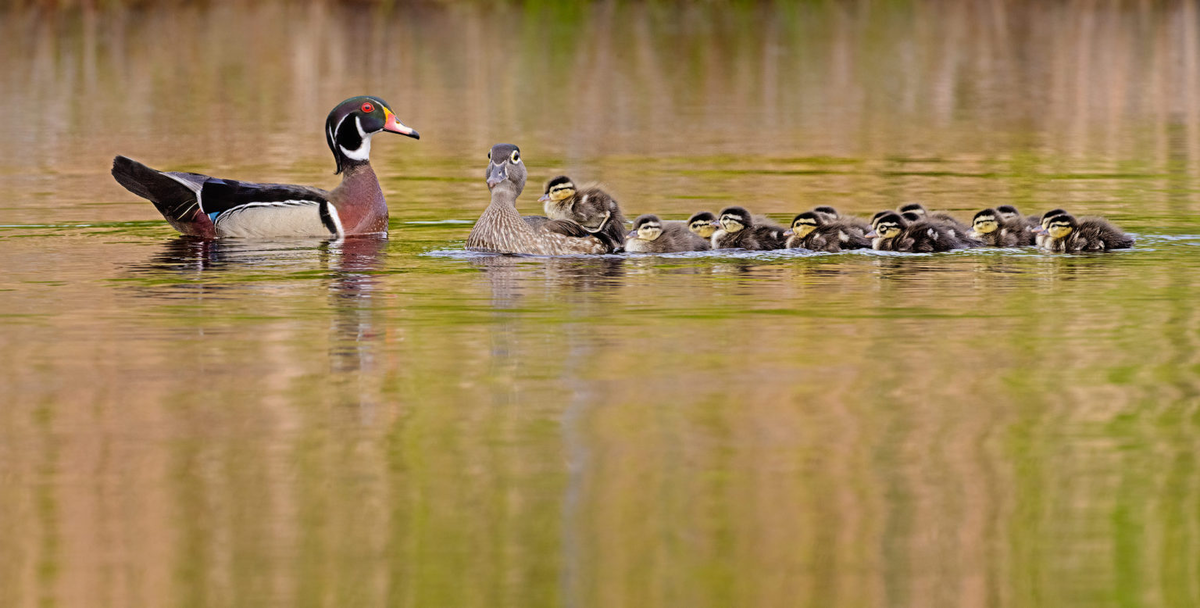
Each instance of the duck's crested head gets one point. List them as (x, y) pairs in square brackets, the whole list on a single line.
[(1061, 225), (505, 167), (351, 124), (916, 208), (701, 224), (806, 222), (986, 221), (646, 227), (558, 189), (887, 225), (826, 212), (735, 219), (1007, 212)]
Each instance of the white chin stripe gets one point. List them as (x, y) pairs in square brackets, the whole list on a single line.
[(364, 151)]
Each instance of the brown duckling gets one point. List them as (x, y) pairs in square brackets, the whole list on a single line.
[(589, 207), (703, 225), (958, 229), (829, 214), (1065, 234), (990, 227), (894, 233), (811, 230), (1040, 235), (652, 235), (736, 229), (502, 230)]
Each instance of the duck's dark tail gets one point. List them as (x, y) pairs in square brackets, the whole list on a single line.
[(176, 195)]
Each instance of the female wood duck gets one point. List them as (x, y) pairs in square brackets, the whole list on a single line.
[(209, 207), (652, 235), (1065, 234), (501, 229), (736, 229), (994, 230), (894, 233), (812, 230), (589, 207)]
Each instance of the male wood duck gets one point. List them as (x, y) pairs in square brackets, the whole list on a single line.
[(501, 229), (210, 207)]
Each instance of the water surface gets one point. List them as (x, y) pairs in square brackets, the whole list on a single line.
[(400, 423)]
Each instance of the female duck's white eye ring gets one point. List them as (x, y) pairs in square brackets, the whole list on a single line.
[(516, 156)]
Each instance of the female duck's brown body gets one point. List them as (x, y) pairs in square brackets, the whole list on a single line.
[(501, 229)]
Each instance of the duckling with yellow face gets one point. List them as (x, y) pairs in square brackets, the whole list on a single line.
[(1065, 234), (892, 232), (703, 225), (811, 230), (736, 229), (994, 230), (1040, 236), (590, 207), (652, 235)]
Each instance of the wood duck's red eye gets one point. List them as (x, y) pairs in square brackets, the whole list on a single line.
[(368, 107)]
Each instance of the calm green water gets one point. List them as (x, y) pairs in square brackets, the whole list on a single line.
[(398, 423)]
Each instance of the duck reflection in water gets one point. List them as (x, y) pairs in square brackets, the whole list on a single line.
[(514, 277), (218, 270)]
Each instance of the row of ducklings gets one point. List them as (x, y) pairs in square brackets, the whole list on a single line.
[(911, 228)]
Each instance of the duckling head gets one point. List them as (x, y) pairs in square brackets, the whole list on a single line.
[(878, 215), (505, 168), (1049, 215), (350, 126), (1007, 212), (826, 212), (887, 225), (915, 208), (701, 224), (735, 219), (646, 227), (986, 222), (912, 216), (805, 223), (558, 189), (1062, 225)]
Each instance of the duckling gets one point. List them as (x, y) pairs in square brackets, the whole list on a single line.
[(829, 214), (990, 227), (1039, 232), (894, 233), (589, 207), (1067, 235), (1029, 222), (958, 229), (811, 230), (703, 225), (736, 229), (501, 228), (652, 235)]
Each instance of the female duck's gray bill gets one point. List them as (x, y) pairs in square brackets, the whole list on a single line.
[(496, 174)]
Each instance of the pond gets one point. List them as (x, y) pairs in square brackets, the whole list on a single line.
[(399, 422)]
